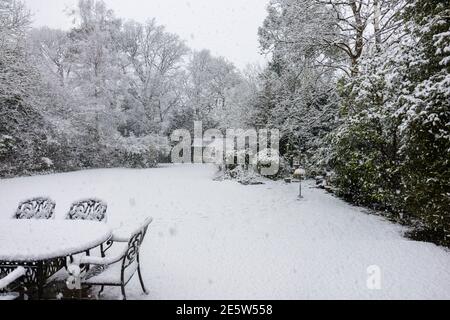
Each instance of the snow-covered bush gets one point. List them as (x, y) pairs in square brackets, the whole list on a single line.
[(271, 164), (241, 175), (266, 163), (6, 145), (143, 152), (229, 167)]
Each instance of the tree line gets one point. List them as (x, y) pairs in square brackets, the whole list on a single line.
[(105, 93)]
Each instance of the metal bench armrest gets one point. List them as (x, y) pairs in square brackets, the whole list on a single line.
[(106, 261), (10, 278)]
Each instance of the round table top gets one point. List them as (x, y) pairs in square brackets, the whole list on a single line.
[(38, 240)]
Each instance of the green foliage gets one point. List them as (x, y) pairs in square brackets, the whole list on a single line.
[(6, 146), (427, 118), (392, 151)]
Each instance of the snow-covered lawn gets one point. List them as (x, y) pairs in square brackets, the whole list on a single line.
[(222, 240)]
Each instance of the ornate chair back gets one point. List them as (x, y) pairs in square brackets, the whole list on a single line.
[(37, 208), (91, 210), (134, 245)]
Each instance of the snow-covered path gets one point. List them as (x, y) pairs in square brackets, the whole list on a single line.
[(221, 240)]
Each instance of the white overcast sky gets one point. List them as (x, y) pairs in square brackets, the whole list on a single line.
[(226, 27)]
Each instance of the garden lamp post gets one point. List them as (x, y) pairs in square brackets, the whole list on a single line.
[(299, 174)]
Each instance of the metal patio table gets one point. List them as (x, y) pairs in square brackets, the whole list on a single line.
[(42, 246)]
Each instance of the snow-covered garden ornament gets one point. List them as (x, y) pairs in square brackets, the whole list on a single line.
[(299, 174)]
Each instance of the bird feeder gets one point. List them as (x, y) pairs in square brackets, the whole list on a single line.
[(299, 173)]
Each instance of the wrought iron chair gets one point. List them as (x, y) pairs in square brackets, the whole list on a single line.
[(117, 271), (90, 210), (37, 208), (9, 280)]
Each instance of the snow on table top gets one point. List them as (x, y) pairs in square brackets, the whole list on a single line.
[(35, 240), (126, 229)]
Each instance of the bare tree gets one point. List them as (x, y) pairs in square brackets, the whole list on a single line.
[(153, 57), (14, 21), (209, 80), (53, 52), (335, 33)]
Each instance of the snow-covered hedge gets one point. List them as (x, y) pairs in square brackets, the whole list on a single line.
[(392, 151)]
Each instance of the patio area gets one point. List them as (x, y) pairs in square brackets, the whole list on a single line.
[(222, 240)]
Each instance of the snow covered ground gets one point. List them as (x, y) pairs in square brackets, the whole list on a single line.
[(222, 240)]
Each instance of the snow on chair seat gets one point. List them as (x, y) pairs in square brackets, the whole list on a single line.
[(36, 208), (9, 296), (7, 281), (110, 275), (118, 270)]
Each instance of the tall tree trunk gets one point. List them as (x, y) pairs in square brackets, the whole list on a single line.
[(376, 23), (359, 35)]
